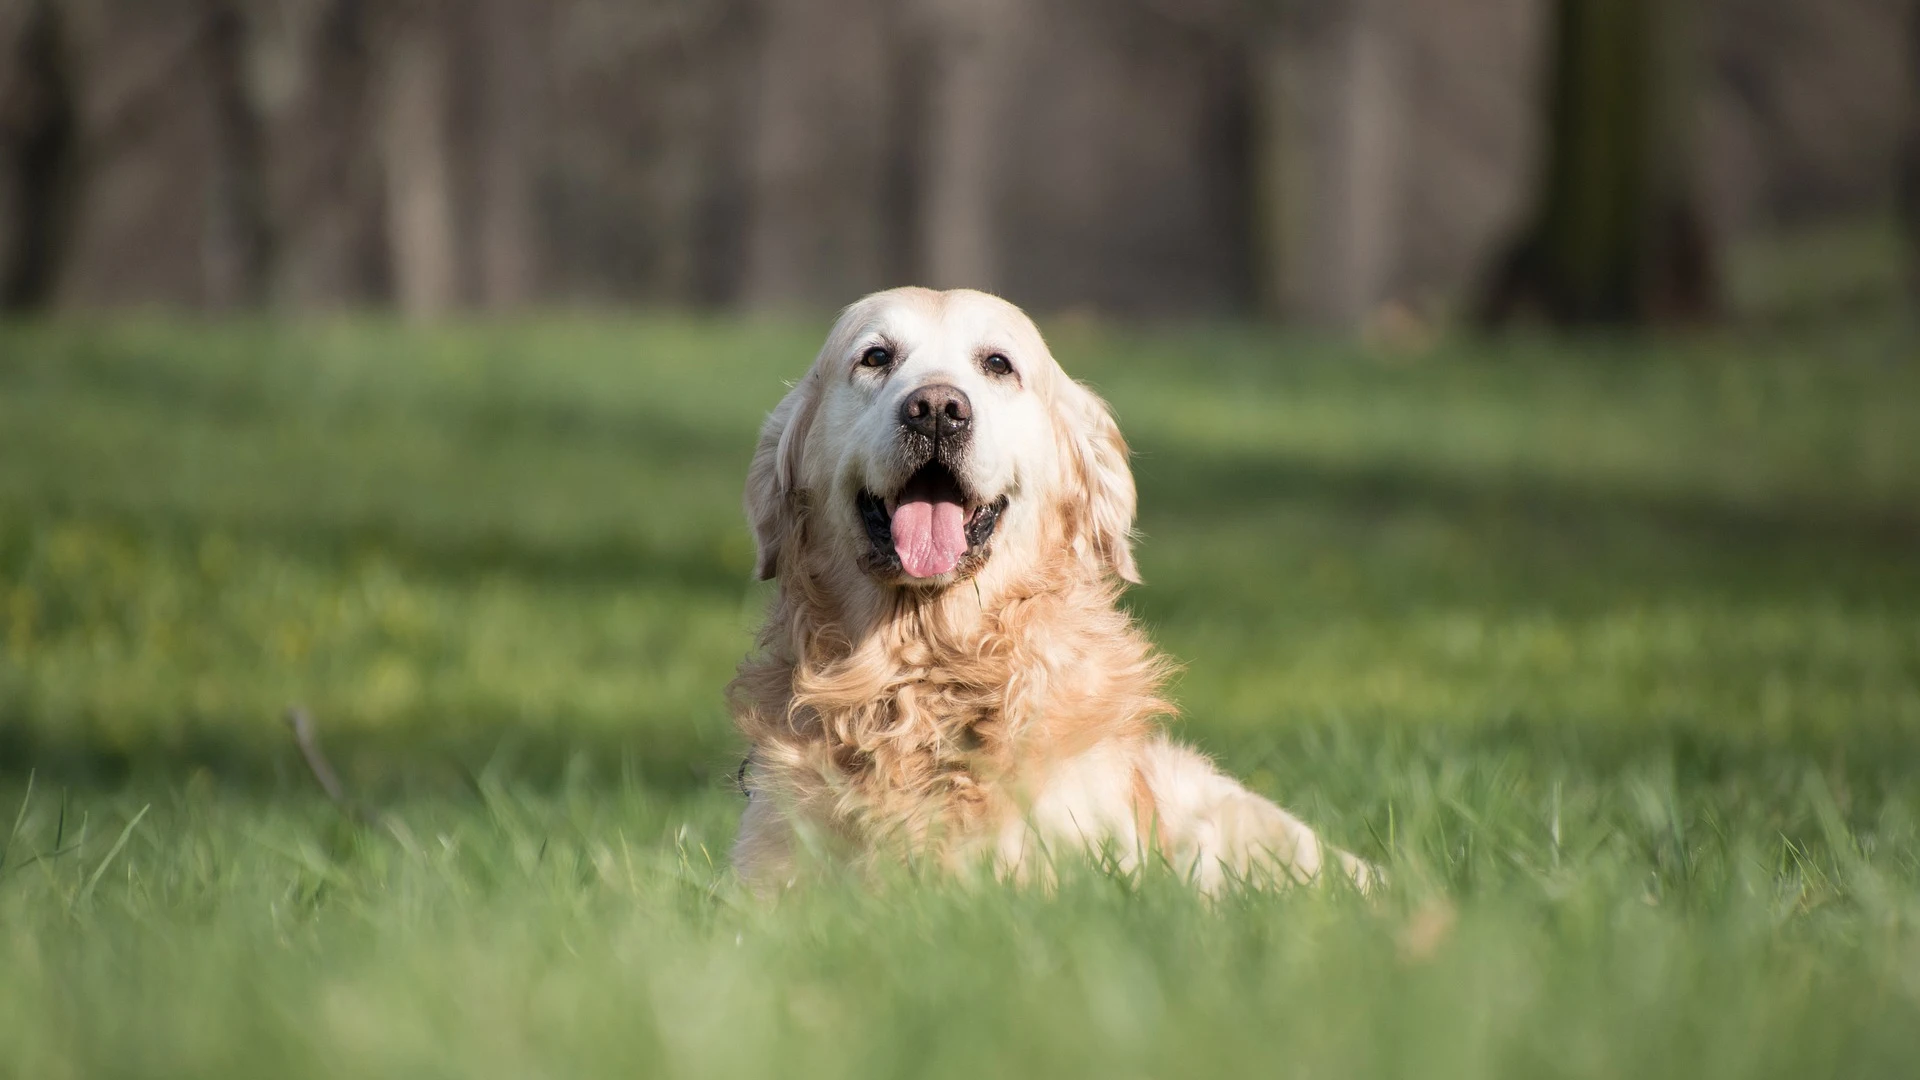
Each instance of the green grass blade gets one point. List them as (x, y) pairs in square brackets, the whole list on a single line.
[(86, 891)]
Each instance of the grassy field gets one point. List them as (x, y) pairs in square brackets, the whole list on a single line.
[(1610, 653)]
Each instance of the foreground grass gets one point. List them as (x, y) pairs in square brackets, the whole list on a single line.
[(1612, 656)]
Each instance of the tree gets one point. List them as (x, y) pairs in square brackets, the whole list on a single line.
[(820, 151), (510, 31), (1907, 188), (40, 130), (1326, 116), (241, 241), (960, 154), (417, 152), (1616, 234)]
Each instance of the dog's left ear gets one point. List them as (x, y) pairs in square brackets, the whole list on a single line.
[(771, 498), (1099, 458)]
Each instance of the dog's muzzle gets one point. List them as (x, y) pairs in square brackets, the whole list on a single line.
[(933, 527)]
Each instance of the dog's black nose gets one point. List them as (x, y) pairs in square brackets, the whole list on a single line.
[(938, 411)]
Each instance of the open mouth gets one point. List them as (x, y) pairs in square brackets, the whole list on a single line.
[(931, 527)]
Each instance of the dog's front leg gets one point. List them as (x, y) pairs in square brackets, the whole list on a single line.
[(1215, 830)]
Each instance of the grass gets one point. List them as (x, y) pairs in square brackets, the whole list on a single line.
[(1611, 652)]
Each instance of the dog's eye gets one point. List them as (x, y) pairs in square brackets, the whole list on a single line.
[(878, 356), (997, 365)]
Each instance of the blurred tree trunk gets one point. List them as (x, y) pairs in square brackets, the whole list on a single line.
[(1268, 160), (331, 206), (820, 157), (241, 239), (1617, 235), (958, 227), (417, 151), (510, 35), (40, 126), (1907, 188), (1326, 111), (718, 231)]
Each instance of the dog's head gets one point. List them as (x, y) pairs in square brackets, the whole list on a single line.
[(934, 437)]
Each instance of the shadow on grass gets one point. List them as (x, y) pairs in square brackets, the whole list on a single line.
[(1175, 481), (263, 759), (600, 558)]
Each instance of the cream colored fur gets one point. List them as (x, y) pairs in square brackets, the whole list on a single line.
[(995, 715)]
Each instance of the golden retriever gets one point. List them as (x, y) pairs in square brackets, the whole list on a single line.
[(944, 672)]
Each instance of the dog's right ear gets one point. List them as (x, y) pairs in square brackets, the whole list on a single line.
[(771, 505)]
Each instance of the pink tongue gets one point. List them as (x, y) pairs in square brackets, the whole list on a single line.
[(930, 537)]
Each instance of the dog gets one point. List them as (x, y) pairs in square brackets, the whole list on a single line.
[(944, 674)]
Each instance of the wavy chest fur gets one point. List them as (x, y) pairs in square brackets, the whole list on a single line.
[(936, 717)]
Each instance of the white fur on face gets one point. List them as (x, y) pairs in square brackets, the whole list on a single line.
[(936, 339), (1036, 438), (855, 441)]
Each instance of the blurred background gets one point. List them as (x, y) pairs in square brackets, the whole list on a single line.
[(1346, 163)]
